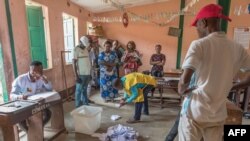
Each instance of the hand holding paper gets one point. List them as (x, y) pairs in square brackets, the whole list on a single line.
[(122, 103)]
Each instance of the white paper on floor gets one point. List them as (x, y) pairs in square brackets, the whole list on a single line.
[(115, 117), (117, 105), (120, 133)]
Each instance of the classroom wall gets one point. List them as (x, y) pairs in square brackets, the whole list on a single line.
[(21, 39), (4, 39), (238, 21), (243, 20), (146, 35)]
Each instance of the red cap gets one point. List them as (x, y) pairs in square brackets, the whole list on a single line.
[(210, 11)]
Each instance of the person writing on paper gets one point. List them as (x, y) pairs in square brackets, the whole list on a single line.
[(29, 84), (136, 87)]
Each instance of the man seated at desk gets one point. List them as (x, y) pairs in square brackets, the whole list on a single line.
[(29, 84)]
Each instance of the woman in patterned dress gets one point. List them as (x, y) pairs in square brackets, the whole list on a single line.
[(107, 61), (131, 58), (158, 61)]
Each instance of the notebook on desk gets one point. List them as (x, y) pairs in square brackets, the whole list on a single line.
[(48, 96)]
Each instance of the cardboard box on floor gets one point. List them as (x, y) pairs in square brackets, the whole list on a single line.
[(234, 114)]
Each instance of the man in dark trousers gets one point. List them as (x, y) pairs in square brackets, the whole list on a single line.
[(136, 87)]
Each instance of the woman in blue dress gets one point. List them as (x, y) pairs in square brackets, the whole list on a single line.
[(108, 61)]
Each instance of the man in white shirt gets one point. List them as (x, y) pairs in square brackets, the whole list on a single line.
[(215, 60), (82, 69), (29, 84)]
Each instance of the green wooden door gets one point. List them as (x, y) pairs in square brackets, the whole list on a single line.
[(36, 34)]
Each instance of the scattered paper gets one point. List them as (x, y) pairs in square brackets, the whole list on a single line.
[(115, 117), (117, 105), (121, 133)]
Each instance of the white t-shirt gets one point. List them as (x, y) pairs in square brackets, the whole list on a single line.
[(215, 60), (83, 61)]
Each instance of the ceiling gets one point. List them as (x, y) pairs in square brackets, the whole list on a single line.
[(98, 6)]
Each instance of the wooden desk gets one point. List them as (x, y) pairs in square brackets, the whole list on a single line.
[(176, 73), (11, 115), (166, 83), (33, 111)]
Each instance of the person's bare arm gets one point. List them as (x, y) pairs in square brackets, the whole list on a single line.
[(111, 64), (184, 81), (125, 57), (75, 67), (242, 84), (89, 48), (47, 86), (154, 62), (108, 64), (163, 62)]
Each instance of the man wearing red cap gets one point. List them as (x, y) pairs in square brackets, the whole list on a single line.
[(215, 61)]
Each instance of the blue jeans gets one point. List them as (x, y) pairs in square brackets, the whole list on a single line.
[(81, 91), (144, 104)]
